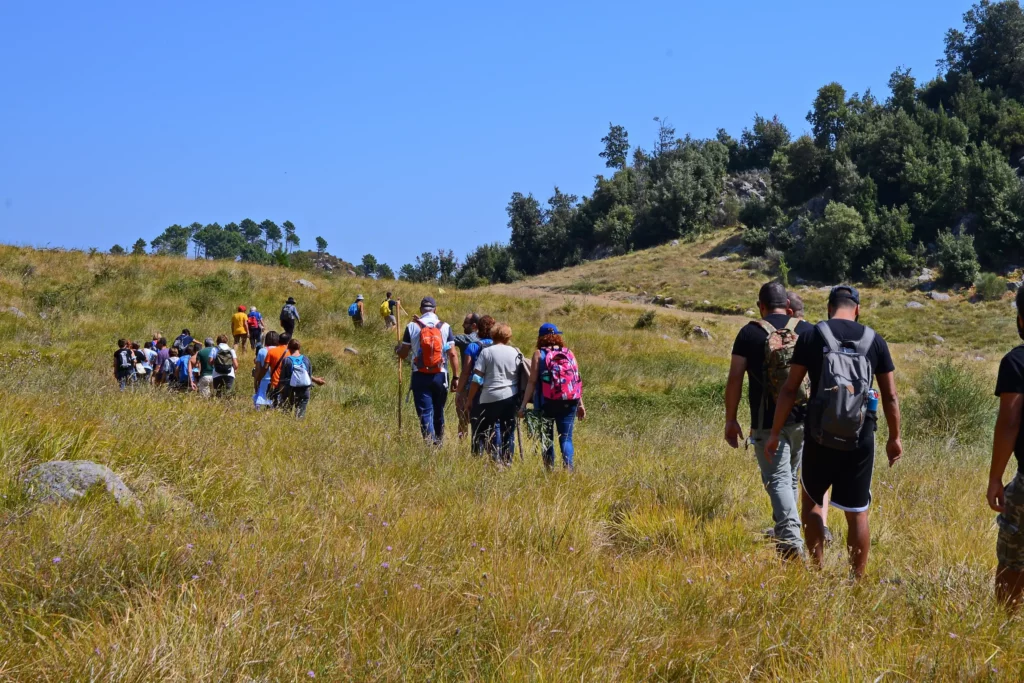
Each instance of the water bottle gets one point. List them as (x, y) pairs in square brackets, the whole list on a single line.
[(872, 401)]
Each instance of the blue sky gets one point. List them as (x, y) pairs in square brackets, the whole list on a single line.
[(392, 128)]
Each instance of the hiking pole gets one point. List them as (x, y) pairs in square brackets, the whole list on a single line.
[(519, 435), (398, 338)]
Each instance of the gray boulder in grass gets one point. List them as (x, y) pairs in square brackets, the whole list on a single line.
[(69, 480)]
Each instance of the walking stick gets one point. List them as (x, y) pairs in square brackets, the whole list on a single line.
[(519, 435), (398, 337)]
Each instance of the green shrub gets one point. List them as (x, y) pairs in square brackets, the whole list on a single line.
[(756, 240), (875, 272), (989, 287), (646, 320), (783, 271), (957, 258), (835, 240), (731, 207), (952, 401)]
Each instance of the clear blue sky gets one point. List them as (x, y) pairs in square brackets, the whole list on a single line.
[(392, 127)]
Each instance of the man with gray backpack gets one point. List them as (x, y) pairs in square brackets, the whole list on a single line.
[(842, 359), (763, 350)]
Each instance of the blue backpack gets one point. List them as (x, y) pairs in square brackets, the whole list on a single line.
[(353, 310), (183, 370)]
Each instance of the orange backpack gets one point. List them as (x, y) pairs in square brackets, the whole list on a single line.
[(431, 358)]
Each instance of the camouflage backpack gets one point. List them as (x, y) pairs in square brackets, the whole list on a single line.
[(778, 356)]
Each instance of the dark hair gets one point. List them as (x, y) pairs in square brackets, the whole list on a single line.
[(135, 346), (388, 295), (1020, 301), (284, 339), (222, 339), (173, 353), (162, 341), (549, 341), (148, 345), (473, 319), (773, 295), (185, 331), (796, 304), (121, 343), (272, 339), (483, 326), (294, 345)]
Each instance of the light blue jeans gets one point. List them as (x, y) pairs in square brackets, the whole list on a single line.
[(781, 479)]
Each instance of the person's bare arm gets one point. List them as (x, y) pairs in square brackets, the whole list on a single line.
[(531, 385), (1003, 442), (474, 389), (891, 408), (463, 377), (453, 360), (733, 393), (784, 406)]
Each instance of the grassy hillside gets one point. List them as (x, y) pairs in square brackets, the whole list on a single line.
[(343, 548)]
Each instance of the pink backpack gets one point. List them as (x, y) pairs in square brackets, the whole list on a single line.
[(560, 377)]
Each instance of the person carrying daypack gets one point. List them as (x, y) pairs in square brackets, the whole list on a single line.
[(185, 379), (388, 311), (182, 341), (470, 411), (167, 372), (763, 351), (356, 311), (432, 347), (240, 327), (255, 326), (556, 390), (205, 359), (842, 358), (297, 379), (124, 364), (496, 379), (225, 362), (289, 316)]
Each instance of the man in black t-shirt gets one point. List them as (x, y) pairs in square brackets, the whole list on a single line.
[(847, 472), (779, 475), (1009, 501), (124, 363)]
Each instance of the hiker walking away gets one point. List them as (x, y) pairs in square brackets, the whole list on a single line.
[(841, 356), (169, 370), (182, 341), (124, 364), (141, 371), (356, 311), (470, 332), (225, 362), (496, 379), (183, 369), (254, 323), (289, 316), (275, 357), (763, 350), (205, 358), (261, 374), (556, 391), (432, 346), (163, 352), (1008, 501), (297, 380), (150, 354), (463, 405), (240, 327), (389, 311)]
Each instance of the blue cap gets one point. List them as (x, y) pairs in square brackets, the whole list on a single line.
[(840, 292), (546, 329)]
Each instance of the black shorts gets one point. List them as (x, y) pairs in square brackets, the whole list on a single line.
[(848, 473)]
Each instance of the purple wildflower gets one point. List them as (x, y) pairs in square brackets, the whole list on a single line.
[(56, 560), (384, 565)]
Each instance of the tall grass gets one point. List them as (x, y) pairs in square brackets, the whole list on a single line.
[(952, 399), (268, 549)]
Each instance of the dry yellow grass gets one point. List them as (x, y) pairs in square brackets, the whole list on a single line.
[(343, 548)]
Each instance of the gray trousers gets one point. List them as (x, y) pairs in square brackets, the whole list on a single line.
[(781, 479)]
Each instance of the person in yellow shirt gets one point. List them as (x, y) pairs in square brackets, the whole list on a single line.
[(239, 328)]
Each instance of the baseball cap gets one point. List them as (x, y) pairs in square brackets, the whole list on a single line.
[(840, 292), (428, 302), (546, 329)]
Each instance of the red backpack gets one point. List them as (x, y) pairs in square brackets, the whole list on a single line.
[(431, 358), (560, 376), (253, 322)]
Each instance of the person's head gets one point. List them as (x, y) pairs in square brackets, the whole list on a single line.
[(294, 346), (208, 341), (121, 343), (252, 309), (291, 300), (135, 346), (388, 295), (161, 343), (773, 298), (222, 339), (501, 333), (156, 337), (471, 323), (428, 305), (484, 326), (241, 309), (284, 339), (360, 298), (193, 349), (173, 353), (271, 339), (844, 303), (549, 336), (147, 345), (186, 332), (796, 305)]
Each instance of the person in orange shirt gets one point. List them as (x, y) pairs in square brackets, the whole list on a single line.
[(239, 329), (275, 357)]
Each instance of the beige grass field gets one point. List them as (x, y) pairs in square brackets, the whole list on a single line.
[(342, 548)]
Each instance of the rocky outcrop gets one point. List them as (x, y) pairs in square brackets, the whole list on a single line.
[(69, 480)]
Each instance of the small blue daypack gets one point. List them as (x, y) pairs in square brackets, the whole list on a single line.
[(353, 310)]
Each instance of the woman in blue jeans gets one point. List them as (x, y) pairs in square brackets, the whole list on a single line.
[(556, 390)]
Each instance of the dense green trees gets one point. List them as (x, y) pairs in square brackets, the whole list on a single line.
[(933, 174)]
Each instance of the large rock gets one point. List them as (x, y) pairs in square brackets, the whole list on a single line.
[(698, 330), (927, 275), (351, 351), (938, 296), (16, 312), (68, 480), (915, 304), (305, 283)]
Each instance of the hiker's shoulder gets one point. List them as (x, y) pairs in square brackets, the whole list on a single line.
[(1013, 358)]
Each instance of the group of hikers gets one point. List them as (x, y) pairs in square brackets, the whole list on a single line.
[(282, 375), (813, 405)]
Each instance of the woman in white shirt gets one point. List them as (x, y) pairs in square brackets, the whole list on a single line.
[(496, 379)]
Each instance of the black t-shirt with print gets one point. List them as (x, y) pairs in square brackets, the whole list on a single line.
[(1011, 381), (750, 345), (810, 349)]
